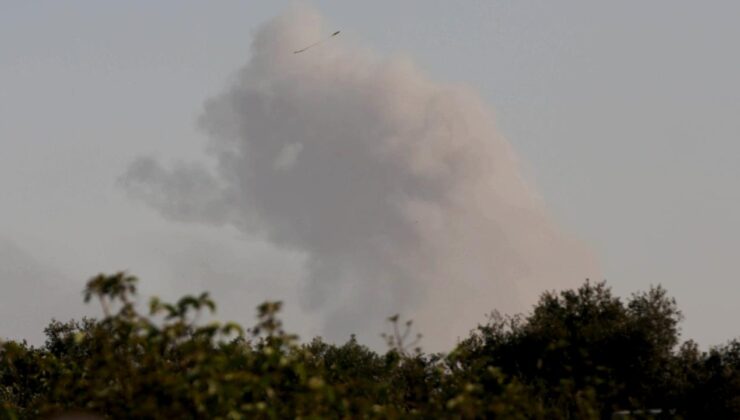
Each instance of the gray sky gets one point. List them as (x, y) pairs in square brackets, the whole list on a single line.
[(624, 116)]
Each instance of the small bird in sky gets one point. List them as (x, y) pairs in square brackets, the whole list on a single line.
[(316, 43)]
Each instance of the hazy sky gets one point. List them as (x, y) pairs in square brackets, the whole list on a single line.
[(624, 117)]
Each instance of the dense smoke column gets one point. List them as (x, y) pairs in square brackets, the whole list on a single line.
[(399, 190)]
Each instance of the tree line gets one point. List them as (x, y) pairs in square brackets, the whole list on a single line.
[(578, 354)]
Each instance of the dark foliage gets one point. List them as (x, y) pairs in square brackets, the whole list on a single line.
[(579, 354)]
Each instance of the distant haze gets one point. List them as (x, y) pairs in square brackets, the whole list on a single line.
[(38, 294), (399, 191), (624, 117)]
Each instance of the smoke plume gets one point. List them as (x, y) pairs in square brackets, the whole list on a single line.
[(398, 190)]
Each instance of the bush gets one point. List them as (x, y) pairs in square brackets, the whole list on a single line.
[(580, 354)]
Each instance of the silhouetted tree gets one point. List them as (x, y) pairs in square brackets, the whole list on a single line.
[(579, 354)]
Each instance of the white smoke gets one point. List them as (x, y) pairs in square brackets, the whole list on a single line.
[(399, 190)]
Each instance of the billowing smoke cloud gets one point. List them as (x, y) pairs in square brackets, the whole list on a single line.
[(399, 190)]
